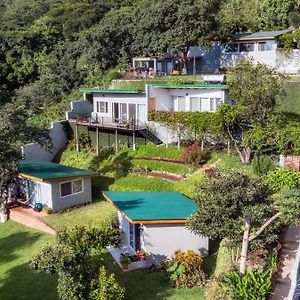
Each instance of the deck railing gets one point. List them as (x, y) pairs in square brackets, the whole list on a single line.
[(131, 124)]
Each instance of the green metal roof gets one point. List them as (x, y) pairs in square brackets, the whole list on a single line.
[(46, 171), (111, 91), (152, 206), (259, 35), (190, 86)]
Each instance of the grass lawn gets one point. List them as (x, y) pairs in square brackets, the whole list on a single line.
[(151, 150), (17, 281), (291, 102), (90, 215), (163, 166)]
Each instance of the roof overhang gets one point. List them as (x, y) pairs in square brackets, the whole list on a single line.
[(166, 221), (191, 86), (110, 91), (55, 179)]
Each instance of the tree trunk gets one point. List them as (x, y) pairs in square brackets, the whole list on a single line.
[(244, 251), (178, 139), (202, 145)]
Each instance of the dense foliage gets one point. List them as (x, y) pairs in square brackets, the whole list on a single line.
[(49, 48), (186, 269), (73, 259)]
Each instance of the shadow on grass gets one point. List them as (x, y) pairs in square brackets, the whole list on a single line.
[(139, 284), (14, 242), (23, 283)]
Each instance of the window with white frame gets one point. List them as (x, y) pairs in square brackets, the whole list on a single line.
[(102, 107), (69, 188), (265, 46), (195, 104), (247, 47)]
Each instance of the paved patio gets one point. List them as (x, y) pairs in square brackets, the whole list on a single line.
[(28, 217)]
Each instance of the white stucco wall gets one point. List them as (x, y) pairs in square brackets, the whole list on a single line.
[(34, 151), (59, 203), (165, 239), (163, 97)]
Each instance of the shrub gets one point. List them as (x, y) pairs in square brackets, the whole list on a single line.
[(195, 156), (106, 288), (282, 177), (84, 140), (254, 285), (261, 165), (186, 269)]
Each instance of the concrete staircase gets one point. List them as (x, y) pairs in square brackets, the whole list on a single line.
[(286, 265), (28, 217)]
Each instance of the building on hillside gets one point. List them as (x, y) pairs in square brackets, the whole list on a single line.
[(53, 185), (198, 60), (155, 222), (123, 114), (261, 47)]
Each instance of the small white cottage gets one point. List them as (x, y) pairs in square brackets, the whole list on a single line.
[(53, 185), (155, 222)]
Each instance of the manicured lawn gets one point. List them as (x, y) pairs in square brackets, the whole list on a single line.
[(232, 162), (17, 281), (140, 183), (90, 215), (151, 150), (153, 165), (291, 103)]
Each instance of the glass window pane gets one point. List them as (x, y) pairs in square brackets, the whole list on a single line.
[(230, 47), (181, 103), (65, 189), (195, 104), (246, 47), (262, 46), (132, 111), (124, 111), (205, 104), (212, 104), (102, 106), (77, 186)]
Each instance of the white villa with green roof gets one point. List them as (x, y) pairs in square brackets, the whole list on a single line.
[(155, 222), (126, 111), (53, 185)]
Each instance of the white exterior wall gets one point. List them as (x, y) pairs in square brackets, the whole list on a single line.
[(120, 98), (59, 203), (163, 97), (34, 151), (283, 61), (165, 239), (162, 240)]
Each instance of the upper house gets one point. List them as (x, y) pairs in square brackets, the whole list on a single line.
[(126, 111), (262, 47)]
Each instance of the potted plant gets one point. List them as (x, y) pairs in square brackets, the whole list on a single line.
[(3, 213), (48, 210), (125, 261), (38, 207)]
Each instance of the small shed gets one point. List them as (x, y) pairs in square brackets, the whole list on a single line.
[(155, 222), (55, 186)]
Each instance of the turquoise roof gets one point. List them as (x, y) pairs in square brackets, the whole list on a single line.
[(45, 171), (152, 206), (259, 35), (190, 86)]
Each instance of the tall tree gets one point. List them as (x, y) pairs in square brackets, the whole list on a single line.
[(14, 133), (241, 209), (255, 90)]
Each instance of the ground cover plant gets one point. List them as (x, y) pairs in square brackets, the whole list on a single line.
[(90, 215)]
